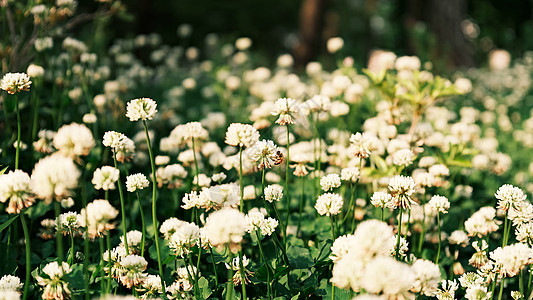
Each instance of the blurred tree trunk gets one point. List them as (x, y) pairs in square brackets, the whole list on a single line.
[(311, 23), (445, 18)]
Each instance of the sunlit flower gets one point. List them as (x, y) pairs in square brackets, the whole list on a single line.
[(15, 188), (141, 108), (15, 82)]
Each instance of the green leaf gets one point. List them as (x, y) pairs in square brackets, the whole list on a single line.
[(205, 291), (299, 257), (38, 210), (263, 273), (322, 252), (75, 278), (8, 222), (4, 170)]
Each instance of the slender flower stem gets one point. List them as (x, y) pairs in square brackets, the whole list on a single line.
[(196, 167), (493, 288), (438, 232), (35, 122), (243, 278), (399, 234), (263, 259), (71, 254), (102, 263), (282, 228), (521, 281), (194, 277), (351, 205), (382, 212), (28, 254), (529, 280), (408, 224), (59, 235), (229, 287), (214, 265), (421, 239), (505, 224), (501, 289), (301, 208), (122, 210), (154, 215), (240, 179), (287, 174), (332, 228), (18, 132), (108, 243), (143, 239)]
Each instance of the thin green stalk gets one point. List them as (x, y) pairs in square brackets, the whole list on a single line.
[(28, 254), (505, 224), (282, 227), (529, 281), (196, 166), (229, 288), (102, 263), (35, 122), (142, 223), (18, 131), (154, 215), (301, 206), (59, 234), (214, 266), (351, 205), (287, 174), (194, 277), (122, 210), (422, 233), (265, 262), (521, 282), (332, 228), (240, 179), (399, 234), (85, 246), (501, 289), (108, 242), (243, 281), (408, 224), (71, 255), (382, 212), (438, 228), (493, 287)]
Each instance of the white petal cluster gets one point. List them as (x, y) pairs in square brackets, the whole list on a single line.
[(53, 285), (236, 263), (509, 196), (401, 188), (184, 238), (287, 110), (170, 226), (134, 238), (403, 157), (15, 82), (242, 135), (360, 144), (384, 275), (329, 204), (225, 227), (54, 176), (74, 140), (381, 199), (133, 267), (10, 283), (510, 259), (15, 188), (482, 222), (256, 220), (171, 175), (141, 109), (119, 143), (319, 103), (273, 192), (330, 182), (104, 178), (439, 204), (341, 246), (184, 133), (427, 277), (447, 290), (265, 154), (350, 174), (69, 221), (99, 213), (136, 182)]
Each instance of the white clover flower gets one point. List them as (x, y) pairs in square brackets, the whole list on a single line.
[(273, 192), (170, 226), (403, 249), (226, 227), (374, 238), (136, 182), (184, 133), (15, 188), (384, 275), (236, 263), (479, 259), (74, 140), (99, 214), (69, 221), (133, 267), (120, 144), (171, 175), (54, 176), (403, 157), (458, 237), (265, 154), (242, 135), (360, 144), (219, 177), (478, 292), (194, 199), (319, 103), (151, 287), (524, 232), (255, 220), (509, 196), (141, 108), (427, 277), (439, 204), (342, 246), (447, 290), (287, 110), (54, 287), (329, 204), (330, 182), (521, 213), (184, 238), (134, 238), (470, 279), (401, 188), (15, 82), (10, 283), (104, 178), (35, 71), (482, 222), (510, 259), (381, 199), (350, 174)]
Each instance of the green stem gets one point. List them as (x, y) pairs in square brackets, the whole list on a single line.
[(194, 277), (35, 112), (422, 233), (529, 281), (505, 237), (28, 255), (332, 228), (214, 266), (59, 234), (408, 224), (196, 166), (109, 263), (382, 212), (243, 281), (501, 289), (102, 263), (154, 215), (301, 208), (71, 255), (142, 223), (240, 179), (122, 210), (265, 262), (521, 281), (399, 234), (18, 132), (229, 288), (282, 227), (287, 174), (351, 205), (438, 232)]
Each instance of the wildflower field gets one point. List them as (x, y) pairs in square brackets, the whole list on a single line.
[(151, 170)]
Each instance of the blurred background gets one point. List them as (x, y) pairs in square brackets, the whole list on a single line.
[(452, 34)]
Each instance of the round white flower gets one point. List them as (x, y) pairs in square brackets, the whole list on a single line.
[(330, 182), (136, 182), (15, 82), (329, 204), (104, 178), (242, 135), (141, 108), (439, 204)]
